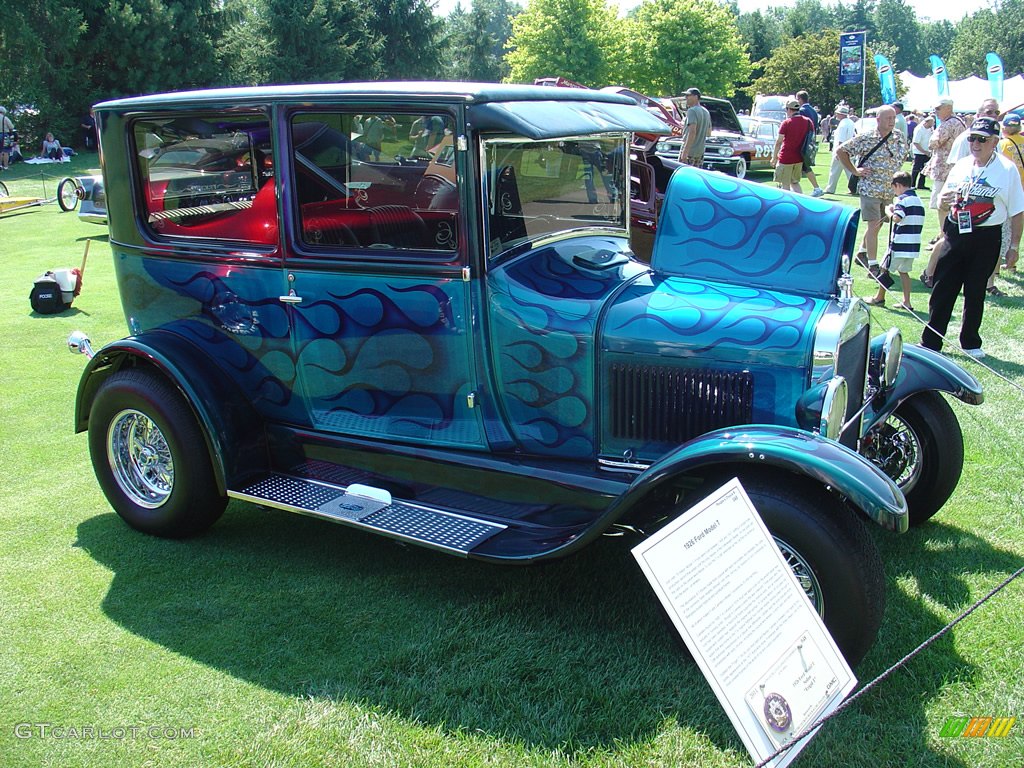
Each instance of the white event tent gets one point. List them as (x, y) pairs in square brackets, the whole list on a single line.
[(922, 93)]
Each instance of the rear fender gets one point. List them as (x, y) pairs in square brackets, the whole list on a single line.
[(922, 370), (232, 430), (789, 450)]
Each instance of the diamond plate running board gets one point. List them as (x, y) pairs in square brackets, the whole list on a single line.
[(371, 509)]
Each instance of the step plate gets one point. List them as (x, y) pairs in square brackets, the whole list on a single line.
[(400, 519)]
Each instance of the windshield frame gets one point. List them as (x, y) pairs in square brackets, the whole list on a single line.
[(507, 249)]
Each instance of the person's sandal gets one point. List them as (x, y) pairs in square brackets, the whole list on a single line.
[(875, 302), (993, 291)]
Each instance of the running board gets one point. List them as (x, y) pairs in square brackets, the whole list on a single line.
[(371, 509)]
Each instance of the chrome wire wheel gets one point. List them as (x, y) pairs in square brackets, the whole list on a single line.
[(804, 575), (69, 192), (140, 459), (896, 450)]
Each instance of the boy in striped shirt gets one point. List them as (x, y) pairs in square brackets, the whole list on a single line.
[(907, 216)]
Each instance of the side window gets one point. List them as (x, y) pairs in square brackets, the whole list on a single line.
[(207, 176), (376, 181)]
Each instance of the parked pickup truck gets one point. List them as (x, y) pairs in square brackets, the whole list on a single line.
[(413, 309), (729, 148)]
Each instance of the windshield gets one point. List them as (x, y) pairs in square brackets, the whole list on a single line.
[(539, 189)]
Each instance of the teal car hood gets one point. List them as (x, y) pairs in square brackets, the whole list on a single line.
[(742, 327), (718, 228)]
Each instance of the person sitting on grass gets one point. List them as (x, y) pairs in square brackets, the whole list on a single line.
[(52, 150), (907, 216)]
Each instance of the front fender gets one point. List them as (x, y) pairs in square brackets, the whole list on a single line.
[(791, 450), (922, 371), (234, 438)]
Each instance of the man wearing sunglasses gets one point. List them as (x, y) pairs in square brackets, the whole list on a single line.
[(958, 150), (984, 195)]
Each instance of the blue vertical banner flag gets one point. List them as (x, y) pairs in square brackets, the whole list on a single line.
[(886, 79), (994, 67), (851, 58), (939, 73)]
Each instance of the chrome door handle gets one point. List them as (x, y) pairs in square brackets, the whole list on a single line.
[(291, 298)]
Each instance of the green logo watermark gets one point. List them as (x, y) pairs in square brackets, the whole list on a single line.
[(977, 727)]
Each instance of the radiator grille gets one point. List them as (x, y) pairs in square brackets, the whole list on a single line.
[(852, 364), (662, 404)]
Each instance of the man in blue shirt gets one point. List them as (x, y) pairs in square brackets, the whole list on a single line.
[(811, 114)]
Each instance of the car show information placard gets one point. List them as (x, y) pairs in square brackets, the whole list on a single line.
[(751, 628)]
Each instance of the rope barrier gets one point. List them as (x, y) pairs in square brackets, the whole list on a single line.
[(848, 702), (923, 320), (903, 662)]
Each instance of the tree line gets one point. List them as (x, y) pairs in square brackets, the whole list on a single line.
[(60, 56)]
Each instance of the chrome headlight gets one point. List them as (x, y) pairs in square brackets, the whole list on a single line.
[(833, 409), (822, 408), (886, 358)]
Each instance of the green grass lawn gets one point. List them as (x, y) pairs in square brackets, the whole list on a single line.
[(277, 640)]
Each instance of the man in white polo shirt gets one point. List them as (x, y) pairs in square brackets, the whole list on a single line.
[(845, 130)]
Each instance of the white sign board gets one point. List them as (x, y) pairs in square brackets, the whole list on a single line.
[(758, 640)]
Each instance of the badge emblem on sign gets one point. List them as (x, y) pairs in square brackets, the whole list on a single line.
[(777, 712)]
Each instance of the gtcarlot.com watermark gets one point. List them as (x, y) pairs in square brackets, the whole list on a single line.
[(102, 733)]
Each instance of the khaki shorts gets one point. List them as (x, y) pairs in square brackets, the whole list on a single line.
[(787, 175), (872, 208), (902, 264), (937, 185)]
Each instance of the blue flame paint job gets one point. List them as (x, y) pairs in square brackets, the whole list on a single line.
[(677, 317), (388, 356), (229, 310), (697, 325), (923, 371), (794, 450), (715, 227), (544, 308)]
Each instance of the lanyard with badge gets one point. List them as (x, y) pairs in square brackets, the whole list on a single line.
[(963, 216)]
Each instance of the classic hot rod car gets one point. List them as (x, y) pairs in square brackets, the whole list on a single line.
[(446, 339)]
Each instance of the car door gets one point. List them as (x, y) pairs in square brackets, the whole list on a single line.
[(378, 278)]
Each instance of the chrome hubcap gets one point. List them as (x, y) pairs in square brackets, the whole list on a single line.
[(140, 459), (804, 575), (896, 450), (69, 195)]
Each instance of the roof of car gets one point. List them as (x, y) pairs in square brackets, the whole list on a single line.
[(524, 110), (473, 93)]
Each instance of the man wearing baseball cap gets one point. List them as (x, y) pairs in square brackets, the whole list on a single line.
[(788, 155), (984, 194), (1012, 144), (696, 130), (845, 130)]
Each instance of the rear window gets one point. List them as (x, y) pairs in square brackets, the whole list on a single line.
[(207, 176)]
